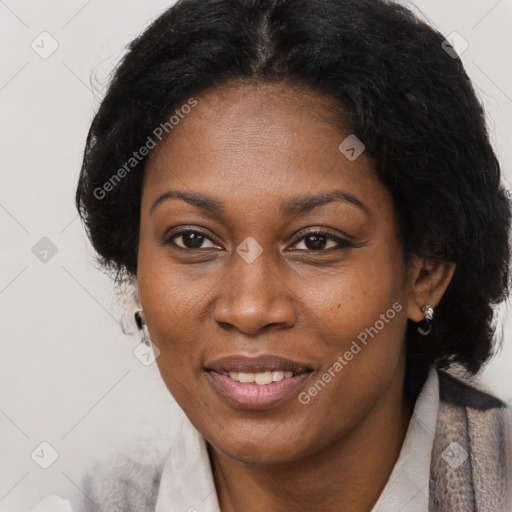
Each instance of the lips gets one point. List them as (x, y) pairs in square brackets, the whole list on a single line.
[(257, 383)]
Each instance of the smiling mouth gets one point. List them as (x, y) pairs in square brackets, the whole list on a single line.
[(256, 383)]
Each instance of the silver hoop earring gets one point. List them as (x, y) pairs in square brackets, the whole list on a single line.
[(429, 315), (141, 324)]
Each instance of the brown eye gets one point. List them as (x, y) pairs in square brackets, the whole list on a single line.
[(318, 240), (191, 239)]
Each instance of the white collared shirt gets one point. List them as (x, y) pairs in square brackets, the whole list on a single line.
[(187, 485)]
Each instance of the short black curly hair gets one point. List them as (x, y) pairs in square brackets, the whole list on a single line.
[(399, 91)]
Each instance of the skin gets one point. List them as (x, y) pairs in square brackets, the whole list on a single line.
[(253, 147)]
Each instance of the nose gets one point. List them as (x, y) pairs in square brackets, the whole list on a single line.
[(254, 296)]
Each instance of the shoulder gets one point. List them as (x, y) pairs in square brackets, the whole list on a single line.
[(123, 483), (471, 458)]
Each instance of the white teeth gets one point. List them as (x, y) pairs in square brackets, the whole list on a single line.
[(260, 378), (246, 377), (277, 375), (263, 378)]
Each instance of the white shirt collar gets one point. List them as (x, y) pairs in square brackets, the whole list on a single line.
[(407, 487), (186, 483)]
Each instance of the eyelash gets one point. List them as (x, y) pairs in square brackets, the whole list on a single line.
[(343, 243)]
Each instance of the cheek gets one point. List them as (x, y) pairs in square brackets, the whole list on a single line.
[(171, 312), (361, 316), (168, 292), (354, 298), (169, 300)]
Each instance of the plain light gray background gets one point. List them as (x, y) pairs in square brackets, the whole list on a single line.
[(68, 375)]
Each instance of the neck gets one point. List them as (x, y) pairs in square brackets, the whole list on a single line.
[(349, 475)]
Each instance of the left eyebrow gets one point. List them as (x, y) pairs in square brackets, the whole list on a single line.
[(309, 201), (293, 206)]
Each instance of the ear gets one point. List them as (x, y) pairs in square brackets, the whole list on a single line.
[(428, 280)]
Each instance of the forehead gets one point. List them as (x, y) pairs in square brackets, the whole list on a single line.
[(235, 113), (273, 138)]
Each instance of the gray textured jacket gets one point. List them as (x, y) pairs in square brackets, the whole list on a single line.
[(471, 424)]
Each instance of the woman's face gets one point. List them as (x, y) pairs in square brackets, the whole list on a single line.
[(275, 340)]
